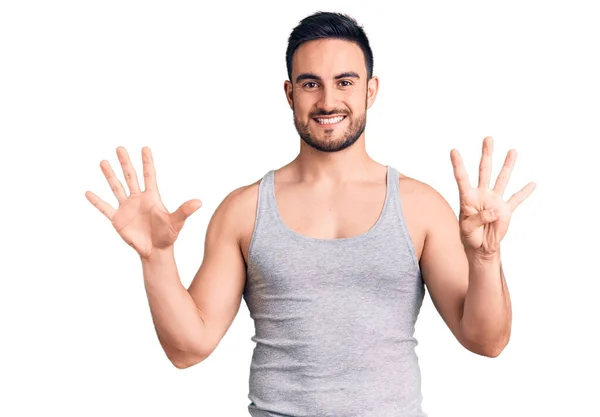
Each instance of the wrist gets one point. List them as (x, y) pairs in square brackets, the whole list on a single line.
[(158, 256), (159, 267), (480, 257)]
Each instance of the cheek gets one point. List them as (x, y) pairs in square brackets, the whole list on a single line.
[(359, 103), (302, 106)]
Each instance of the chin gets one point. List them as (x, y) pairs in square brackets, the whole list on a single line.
[(328, 145)]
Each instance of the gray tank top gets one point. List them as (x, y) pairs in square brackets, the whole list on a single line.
[(334, 318)]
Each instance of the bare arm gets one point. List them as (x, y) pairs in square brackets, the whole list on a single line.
[(487, 315), (177, 320), (461, 286), (461, 257), (190, 323)]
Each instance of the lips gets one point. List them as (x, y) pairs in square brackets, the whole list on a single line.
[(329, 120)]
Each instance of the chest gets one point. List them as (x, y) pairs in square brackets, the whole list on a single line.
[(338, 213), (330, 213)]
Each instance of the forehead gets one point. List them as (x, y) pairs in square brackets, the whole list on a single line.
[(329, 57)]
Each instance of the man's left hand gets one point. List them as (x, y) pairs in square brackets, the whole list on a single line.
[(484, 215)]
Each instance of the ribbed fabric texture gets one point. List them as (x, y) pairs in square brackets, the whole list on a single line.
[(334, 318)]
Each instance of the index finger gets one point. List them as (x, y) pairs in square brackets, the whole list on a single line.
[(460, 173)]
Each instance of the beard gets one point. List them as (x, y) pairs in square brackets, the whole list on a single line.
[(332, 143)]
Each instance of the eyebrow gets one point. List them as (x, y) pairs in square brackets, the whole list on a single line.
[(310, 76)]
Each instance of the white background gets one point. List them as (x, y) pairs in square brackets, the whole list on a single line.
[(203, 87)]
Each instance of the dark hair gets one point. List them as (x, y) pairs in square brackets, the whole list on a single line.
[(322, 25)]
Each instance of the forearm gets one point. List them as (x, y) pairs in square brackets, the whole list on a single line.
[(176, 318), (487, 313)]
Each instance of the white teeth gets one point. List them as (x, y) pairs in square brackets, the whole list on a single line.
[(331, 120)]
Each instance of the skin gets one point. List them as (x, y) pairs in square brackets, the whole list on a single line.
[(332, 189)]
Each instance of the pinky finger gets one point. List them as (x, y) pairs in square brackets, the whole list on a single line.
[(520, 196), (100, 204)]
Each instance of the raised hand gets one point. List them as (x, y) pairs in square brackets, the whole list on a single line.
[(141, 218), (484, 215)]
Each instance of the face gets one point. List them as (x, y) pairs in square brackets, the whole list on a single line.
[(329, 93)]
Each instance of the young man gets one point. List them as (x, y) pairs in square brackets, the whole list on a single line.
[(331, 252)]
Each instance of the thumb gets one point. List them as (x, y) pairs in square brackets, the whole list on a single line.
[(475, 221), (184, 211)]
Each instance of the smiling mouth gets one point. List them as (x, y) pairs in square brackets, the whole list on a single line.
[(329, 121)]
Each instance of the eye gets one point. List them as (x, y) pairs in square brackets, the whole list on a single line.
[(345, 83), (310, 84)]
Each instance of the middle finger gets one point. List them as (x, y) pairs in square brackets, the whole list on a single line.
[(128, 170)]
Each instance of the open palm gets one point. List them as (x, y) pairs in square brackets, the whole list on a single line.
[(484, 215), (141, 218)]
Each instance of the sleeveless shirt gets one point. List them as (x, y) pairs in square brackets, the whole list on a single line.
[(334, 318)]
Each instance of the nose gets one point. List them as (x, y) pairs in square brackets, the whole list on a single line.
[(328, 101)]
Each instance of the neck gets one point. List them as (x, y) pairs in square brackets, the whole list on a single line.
[(350, 164)]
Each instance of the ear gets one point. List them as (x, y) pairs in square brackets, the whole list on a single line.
[(289, 93), (372, 89)]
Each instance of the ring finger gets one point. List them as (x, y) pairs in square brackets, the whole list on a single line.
[(113, 181)]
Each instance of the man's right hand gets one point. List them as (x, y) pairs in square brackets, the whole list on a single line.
[(141, 218)]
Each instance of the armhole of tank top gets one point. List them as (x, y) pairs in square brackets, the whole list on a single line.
[(257, 216), (402, 220)]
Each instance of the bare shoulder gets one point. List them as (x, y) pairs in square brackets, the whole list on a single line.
[(238, 204), (242, 198), (237, 212), (413, 186), (421, 206), (421, 195)]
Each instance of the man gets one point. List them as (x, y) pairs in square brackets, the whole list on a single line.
[(331, 252)]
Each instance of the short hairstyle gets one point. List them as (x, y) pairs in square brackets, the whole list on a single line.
[(324, 25)]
